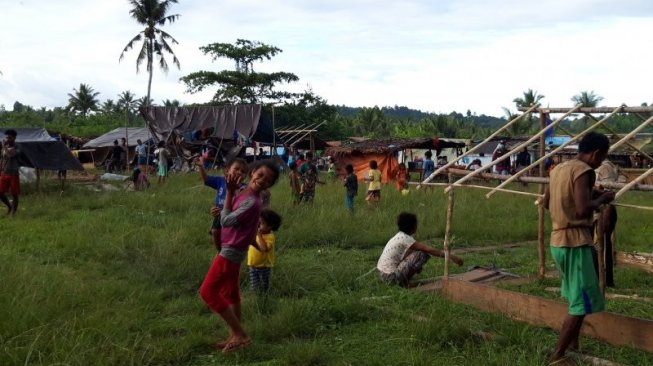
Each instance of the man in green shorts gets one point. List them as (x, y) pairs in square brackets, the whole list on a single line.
[(570, 202)]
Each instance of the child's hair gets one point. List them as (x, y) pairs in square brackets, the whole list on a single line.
[(349, 169), (237, 161), (407, 222), (373, 164), (428, 154), (160, 143), (270, 165), (594, 141), (115, 142), (292, 165), (271, 218), (11, 133), (135, 174)]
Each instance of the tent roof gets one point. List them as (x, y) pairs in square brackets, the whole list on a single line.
[(106, 140), (394, 144), (227, 122), (29, 134)]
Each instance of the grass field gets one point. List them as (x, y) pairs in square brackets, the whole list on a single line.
[(111, 278)]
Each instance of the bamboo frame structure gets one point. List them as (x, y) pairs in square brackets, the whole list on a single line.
[(475, 148), (554, 151), (519, 147)]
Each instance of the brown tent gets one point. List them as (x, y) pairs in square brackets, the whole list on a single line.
[(385, 152)]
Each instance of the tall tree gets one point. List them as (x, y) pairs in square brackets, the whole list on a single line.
[(170, 103), (152, 13), (83, 100), (127, 103), (242, 85), (587, 99), (529, 98)]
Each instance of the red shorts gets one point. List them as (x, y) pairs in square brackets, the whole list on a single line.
[(10, 183), (221, 286)]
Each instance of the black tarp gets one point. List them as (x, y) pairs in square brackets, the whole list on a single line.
[(41, 151)]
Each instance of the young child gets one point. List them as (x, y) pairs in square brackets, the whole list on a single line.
[(374, 188), (570, 202), (162, 155), (403, 256), (260, 257), (295, 184), (310, 178), (402, 177), (351, 184), (237, 167), (140, 179), (239, 218)]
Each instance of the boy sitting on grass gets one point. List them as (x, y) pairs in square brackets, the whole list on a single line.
[(260, 257), (403, 256)]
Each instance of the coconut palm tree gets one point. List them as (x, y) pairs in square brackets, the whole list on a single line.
[(587, 99), (170, 103), (529, 98), (83, 100), (155, 42), (127, 102)]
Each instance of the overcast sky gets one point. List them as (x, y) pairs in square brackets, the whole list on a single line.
[(437, 55)]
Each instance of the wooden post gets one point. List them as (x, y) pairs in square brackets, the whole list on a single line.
[(447, 228), (600, 248), (541, 254)]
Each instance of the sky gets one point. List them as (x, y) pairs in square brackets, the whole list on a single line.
[(437, 56)]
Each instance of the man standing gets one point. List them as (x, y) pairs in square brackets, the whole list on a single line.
[(141, 152), (570, 202), (9, 172)]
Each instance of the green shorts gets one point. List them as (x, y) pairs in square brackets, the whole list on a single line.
[(580, 286)]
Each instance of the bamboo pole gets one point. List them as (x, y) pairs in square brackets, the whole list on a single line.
[(609, 129), (631, 134), (554, 151), (600, 249), (631, 206), (541, 254), (519, 147), (447, 229), (477, 147), (631, 184), (624, 109)]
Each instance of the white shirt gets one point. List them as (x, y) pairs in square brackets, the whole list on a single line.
[(394, 252)]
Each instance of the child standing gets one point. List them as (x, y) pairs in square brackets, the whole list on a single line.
[(295, 184), (239, 218), (236, 167), (402, 177), (374, 188), (260, 257), (351, 184), (162, 155)]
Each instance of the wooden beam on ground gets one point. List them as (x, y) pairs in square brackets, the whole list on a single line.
[(491, 247), (615, 329), (642, 261)]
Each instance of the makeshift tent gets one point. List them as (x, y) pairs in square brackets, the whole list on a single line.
[(39, 150), (103, 144), (384, 151)]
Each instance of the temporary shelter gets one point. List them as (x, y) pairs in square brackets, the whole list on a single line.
[(39, 150), (100, 147), (385, 152)]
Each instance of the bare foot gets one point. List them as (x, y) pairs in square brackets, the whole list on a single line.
[(237, 343), (220, 345)]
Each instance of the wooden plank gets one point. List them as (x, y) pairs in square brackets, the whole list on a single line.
[(618, 330), (624, 109), (642, 261)]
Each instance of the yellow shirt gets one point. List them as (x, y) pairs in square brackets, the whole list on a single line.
[(256, 258), (567, 228), (375, 180)]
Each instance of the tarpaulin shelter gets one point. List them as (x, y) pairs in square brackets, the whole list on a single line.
[(41, 151), (103, 144), (229, 127), (385, 152)]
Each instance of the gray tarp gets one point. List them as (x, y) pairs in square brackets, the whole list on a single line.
[(106, 140), (41, 151), (163, 121)]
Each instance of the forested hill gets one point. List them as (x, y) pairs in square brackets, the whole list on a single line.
[(405, 113)]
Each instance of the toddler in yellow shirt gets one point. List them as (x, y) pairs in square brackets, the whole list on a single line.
[(260, 257)]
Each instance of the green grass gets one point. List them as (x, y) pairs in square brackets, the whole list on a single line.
[(111, 278)]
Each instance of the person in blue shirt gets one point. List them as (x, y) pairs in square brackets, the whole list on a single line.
[(219, 183), (428, 166)]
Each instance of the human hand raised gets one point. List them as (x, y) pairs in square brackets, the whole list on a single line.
[(233, 181)]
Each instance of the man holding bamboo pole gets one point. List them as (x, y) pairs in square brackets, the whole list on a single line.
[(570, 202)]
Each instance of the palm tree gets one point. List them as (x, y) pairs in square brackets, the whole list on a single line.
[(83, 100), (152, 13), (171, 103), (144, 102), (529, 99), (587, 99)]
